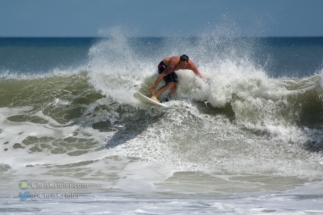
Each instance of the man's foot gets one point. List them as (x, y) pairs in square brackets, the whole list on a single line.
[(155, 99)]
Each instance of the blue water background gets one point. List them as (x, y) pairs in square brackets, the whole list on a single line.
[(291, 57)]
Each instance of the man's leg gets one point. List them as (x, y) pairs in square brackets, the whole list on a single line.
[(173, 89), (171, 93), (169, 85)]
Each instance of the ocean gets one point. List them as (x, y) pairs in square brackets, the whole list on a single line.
[(245, 139)]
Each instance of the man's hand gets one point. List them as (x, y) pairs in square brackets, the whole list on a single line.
[(151, 89), (160, 77)]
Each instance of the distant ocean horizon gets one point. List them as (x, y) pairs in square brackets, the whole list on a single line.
[(247, 138)]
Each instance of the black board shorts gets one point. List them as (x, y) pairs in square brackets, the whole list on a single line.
[(172, 77)]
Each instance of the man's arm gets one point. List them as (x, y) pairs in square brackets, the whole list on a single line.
[(160, 77), (195, 70)]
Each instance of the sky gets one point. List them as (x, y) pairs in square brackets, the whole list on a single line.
[(153, 18)]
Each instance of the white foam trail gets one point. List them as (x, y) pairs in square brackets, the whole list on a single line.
[(54, 72)]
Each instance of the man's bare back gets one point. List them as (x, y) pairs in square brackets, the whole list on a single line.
[(173, 64)]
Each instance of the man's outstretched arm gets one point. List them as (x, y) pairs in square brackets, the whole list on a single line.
[(197, 72)]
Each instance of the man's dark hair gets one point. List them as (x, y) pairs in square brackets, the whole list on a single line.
[(184, 57)]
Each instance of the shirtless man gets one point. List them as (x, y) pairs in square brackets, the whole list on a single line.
[(166, 70)]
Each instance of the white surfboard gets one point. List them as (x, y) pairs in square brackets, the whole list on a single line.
[(147, 100)]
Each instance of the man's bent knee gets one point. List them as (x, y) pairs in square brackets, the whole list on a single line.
[(171, 84)]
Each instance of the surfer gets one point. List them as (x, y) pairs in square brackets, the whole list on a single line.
[(166, 70)]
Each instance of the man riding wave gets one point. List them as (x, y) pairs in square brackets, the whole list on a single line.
[(166, 70)]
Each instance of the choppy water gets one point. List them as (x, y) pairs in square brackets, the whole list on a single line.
[(246, 139)]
